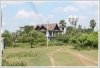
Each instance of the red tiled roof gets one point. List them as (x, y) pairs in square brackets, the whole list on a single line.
[(50, 26)]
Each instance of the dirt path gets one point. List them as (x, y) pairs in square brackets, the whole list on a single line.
[(83, 59), (86, 61), (51, 57)]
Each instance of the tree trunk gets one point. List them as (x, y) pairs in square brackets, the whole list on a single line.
[(31, 45)]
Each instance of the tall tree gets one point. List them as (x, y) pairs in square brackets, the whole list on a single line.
[(7, 38), (92, 24), (73, 21), (79, 27), (28, 34), (35, 37), (14, 38), (27, 28), (62, 24)]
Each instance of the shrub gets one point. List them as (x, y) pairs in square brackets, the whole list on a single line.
[(7, 38), (55, 43), (42, 43), (62, 38), (87, 41), (13, 63)]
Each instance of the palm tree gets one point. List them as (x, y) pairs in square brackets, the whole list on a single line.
[(92, 24)]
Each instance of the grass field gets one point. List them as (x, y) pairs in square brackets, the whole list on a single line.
[(49, 56)]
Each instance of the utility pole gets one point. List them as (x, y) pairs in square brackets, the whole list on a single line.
[(47, 33), (0, 38)]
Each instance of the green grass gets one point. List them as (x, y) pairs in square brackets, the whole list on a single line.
[(39, 56), (93, 54), (70, 60)]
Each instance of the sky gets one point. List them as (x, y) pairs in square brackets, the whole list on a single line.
[(19, 13)]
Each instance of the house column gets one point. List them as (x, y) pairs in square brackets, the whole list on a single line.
[(52, 33)]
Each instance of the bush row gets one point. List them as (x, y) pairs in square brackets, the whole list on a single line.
[(80, 40)]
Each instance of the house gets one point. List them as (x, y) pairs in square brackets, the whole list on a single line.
[(50, 30)]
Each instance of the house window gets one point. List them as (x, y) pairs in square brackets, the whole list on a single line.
[(50, 33)]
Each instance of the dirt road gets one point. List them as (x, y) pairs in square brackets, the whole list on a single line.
[(84, 60)]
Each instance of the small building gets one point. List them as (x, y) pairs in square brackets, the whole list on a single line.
[(50, 30)]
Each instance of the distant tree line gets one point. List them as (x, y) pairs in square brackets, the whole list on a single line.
[(80, 38), (26, 34)]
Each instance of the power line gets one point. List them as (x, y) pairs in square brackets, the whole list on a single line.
[(33, 7)]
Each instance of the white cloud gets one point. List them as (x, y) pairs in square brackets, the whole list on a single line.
[(48, 18), (68, 9), (51, 16), (36, 17), (24, 14), (94, 13)]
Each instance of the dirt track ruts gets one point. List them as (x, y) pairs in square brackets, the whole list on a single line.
[(86, 61)]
